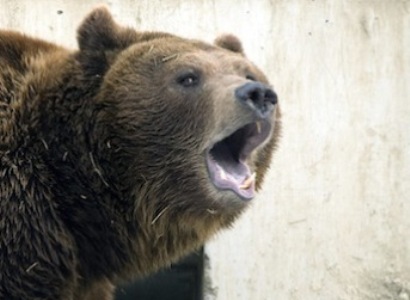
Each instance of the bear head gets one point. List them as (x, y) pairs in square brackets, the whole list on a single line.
[(190, 125)]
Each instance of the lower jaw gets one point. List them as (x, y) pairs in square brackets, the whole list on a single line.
[(243, 189), (243, 194)]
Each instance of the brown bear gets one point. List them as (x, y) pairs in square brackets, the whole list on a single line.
[(121, 157)]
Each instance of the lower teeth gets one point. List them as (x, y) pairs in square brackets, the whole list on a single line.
[(248, 182)]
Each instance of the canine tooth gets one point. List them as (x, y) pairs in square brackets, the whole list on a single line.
[(248, 182), (258, 127)]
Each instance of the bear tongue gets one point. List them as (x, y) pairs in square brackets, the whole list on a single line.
[(235, 178)]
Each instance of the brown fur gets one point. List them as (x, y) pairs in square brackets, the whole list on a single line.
[(102, 175)]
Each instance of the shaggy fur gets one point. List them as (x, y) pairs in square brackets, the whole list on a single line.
[(102, 174)]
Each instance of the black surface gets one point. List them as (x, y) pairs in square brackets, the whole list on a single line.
[(183, 281)]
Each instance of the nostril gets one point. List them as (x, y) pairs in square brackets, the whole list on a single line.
[(253, 91), (257, 96), (270, 96)]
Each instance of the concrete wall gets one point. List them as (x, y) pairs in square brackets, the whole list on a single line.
[(333, 221)]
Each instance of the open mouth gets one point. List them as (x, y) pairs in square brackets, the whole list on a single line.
[(227, 159)]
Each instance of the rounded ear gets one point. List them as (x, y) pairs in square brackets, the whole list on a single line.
[(229, 42), (99, 31)]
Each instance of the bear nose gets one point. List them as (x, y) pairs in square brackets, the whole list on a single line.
[(257, 96)]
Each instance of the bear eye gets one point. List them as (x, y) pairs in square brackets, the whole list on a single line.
[(188, 79), (250, 77)]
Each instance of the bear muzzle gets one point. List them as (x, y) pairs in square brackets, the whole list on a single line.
[(257, 97), (228, 159)]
